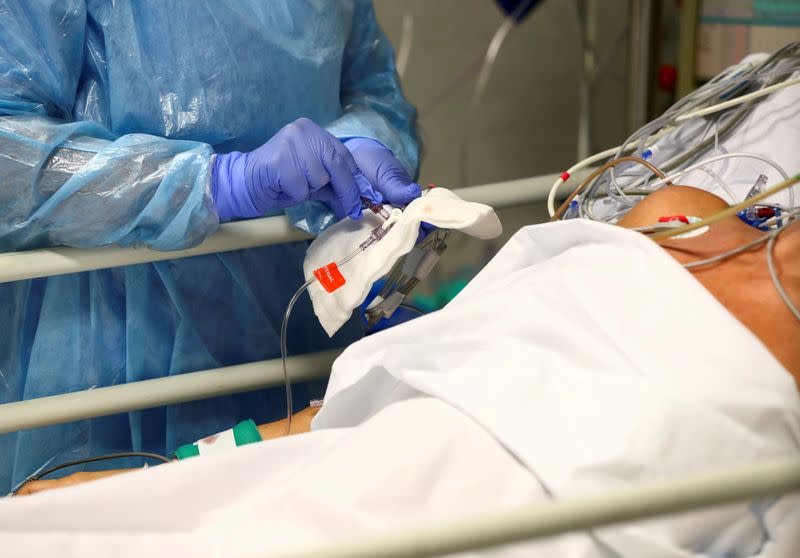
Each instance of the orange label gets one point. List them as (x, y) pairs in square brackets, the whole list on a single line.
[(670, 218), (329, 277)]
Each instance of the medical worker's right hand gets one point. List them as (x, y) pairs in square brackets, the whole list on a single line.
[(301, 162)]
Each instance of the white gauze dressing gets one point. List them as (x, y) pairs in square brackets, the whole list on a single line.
[(438, 206)]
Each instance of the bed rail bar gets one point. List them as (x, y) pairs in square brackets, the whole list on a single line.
[(98, 402), (760, 480)]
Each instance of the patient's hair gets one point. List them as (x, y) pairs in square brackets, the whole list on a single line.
[(742, 283)]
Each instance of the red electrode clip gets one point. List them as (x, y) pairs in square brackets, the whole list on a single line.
[(681, 218), (329, 277)]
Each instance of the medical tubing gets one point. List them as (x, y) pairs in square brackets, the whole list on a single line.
[(699, 149), (597, 172), (729, 253), (551, 197), (721, 157), (496, 43), (405, 44), (721, 82), (738, 100), (720, 182), (695, 151), (713, 92), (395, 275), (773, 273), (728, 212), (730, 124), (284, 325), (411, 309), (702, 147), (287, 384), (37, 476), (788, 215)]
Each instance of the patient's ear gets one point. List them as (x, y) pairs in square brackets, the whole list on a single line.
[(672, 200)]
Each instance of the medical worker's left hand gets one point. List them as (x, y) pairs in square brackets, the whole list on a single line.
[(301, 162), (383, 170), (305, 162)]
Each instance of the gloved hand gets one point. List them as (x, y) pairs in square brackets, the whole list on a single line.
[(386, 174), (301, 162)]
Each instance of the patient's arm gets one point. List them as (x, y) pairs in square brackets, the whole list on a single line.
[(33, 487), (741, 283), (301, 422)]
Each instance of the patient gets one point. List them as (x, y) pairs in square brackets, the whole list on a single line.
[(741, 283)]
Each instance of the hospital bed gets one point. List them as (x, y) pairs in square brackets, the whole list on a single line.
[(541, 520)]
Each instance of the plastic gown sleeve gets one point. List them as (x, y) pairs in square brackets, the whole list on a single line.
[(374, 107), (373, 102), (76, 183)]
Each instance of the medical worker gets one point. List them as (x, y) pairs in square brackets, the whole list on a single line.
[(147, 123)]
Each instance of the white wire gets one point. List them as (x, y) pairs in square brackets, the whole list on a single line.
[(729, 253), (773, 273), (648, 175), (551, 198), (721, 183), (738, 100)]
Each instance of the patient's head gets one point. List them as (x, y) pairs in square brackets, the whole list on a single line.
[(742, 283)]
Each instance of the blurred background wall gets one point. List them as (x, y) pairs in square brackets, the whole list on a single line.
[(527, 123)]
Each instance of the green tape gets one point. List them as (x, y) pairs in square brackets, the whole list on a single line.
[(246, 432), (186, 451)]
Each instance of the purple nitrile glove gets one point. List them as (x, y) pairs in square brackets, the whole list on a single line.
[(301, 162), (386, 174)]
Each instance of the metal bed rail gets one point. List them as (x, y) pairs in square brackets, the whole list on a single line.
[(98, 402), (761, 480)]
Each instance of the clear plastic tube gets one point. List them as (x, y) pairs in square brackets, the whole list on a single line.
[(773, 273), (284, 326), (672, 176), (779, 65), (499, 37)]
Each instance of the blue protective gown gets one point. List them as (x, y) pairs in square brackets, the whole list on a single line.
[(109, 115)]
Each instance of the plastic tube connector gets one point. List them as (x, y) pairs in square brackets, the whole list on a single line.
[(758, 187), (649, 152), (380, 231)]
